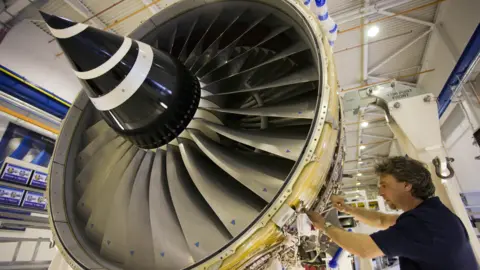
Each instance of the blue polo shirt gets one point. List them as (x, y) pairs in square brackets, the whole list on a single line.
[(429, 237)]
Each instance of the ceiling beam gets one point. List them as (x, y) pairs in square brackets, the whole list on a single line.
[(153, 8), (397, 72), (353, 187), (367, 11), (406, 18), (383, 78), (371, 149), (359, 169), (364, 40), (356, 160), (374, 156), (378, 137), (83, 10), (388, 59), (375, 114)]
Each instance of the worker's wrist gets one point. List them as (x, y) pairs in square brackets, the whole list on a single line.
[(348, 209), (327, 225)]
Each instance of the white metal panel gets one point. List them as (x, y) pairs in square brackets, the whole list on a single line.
[(425, 113)]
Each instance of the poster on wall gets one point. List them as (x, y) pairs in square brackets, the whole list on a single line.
[(24, 159), (11, 196), (35, 200), (17, 174), (22, 144), (39, 179)]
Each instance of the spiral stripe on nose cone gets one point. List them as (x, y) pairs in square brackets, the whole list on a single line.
[(143, 93)]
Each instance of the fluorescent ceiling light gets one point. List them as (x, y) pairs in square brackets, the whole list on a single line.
[(362, 147), (358, 183), (364, 124), (373, 31), (360, 162), (359, 174)]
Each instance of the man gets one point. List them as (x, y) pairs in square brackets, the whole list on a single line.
[(426, 236)]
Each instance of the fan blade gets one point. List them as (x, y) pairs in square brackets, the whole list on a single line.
[(199, 46), (201, 227), (301, 76), (242, 78), (300, 108), (170, 249), (84, 156), (233, 63), (224, 54), (263, 181), (86, 202), (99, 165), (234, 205), (213, 47), (287, 144), (95, 130), (114, 242), (139, 230), (95, 227)]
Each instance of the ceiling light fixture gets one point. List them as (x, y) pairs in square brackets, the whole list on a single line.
[(358, 183), (360, 162), (364, 124), (359, 174), (373, 31), (362, 147)]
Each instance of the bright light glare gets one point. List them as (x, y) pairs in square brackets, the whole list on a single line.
[(360, 162), (358, 183), (373, 31), (364, 124), (359, 174), (362, 147)]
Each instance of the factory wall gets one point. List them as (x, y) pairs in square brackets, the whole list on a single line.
[(457, 134), (27, 51), (45, 253), (458, 19)]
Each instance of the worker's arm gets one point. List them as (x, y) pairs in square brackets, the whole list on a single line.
[(371, 218), (355, 243), (358, 244)]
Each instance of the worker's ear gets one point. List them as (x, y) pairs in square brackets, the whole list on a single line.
[(408, 186)]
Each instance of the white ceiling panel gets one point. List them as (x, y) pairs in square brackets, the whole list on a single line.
[(425, 14), (337, 6)]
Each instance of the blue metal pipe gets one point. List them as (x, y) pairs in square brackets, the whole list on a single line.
[(470, 53), (19, 87), (42, 159), (22, 148)]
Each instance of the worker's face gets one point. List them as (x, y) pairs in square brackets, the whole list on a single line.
[(393, 191)]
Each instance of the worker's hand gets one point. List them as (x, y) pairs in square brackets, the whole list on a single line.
[(317, 220), (339, 203)]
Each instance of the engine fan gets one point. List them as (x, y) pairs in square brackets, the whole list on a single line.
[(266, 136)]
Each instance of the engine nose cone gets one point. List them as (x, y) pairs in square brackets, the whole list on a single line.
[(144, 94)]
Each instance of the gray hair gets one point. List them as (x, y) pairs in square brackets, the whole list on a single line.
[(411, 171)]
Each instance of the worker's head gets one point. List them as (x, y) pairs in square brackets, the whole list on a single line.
[(402, 179)]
